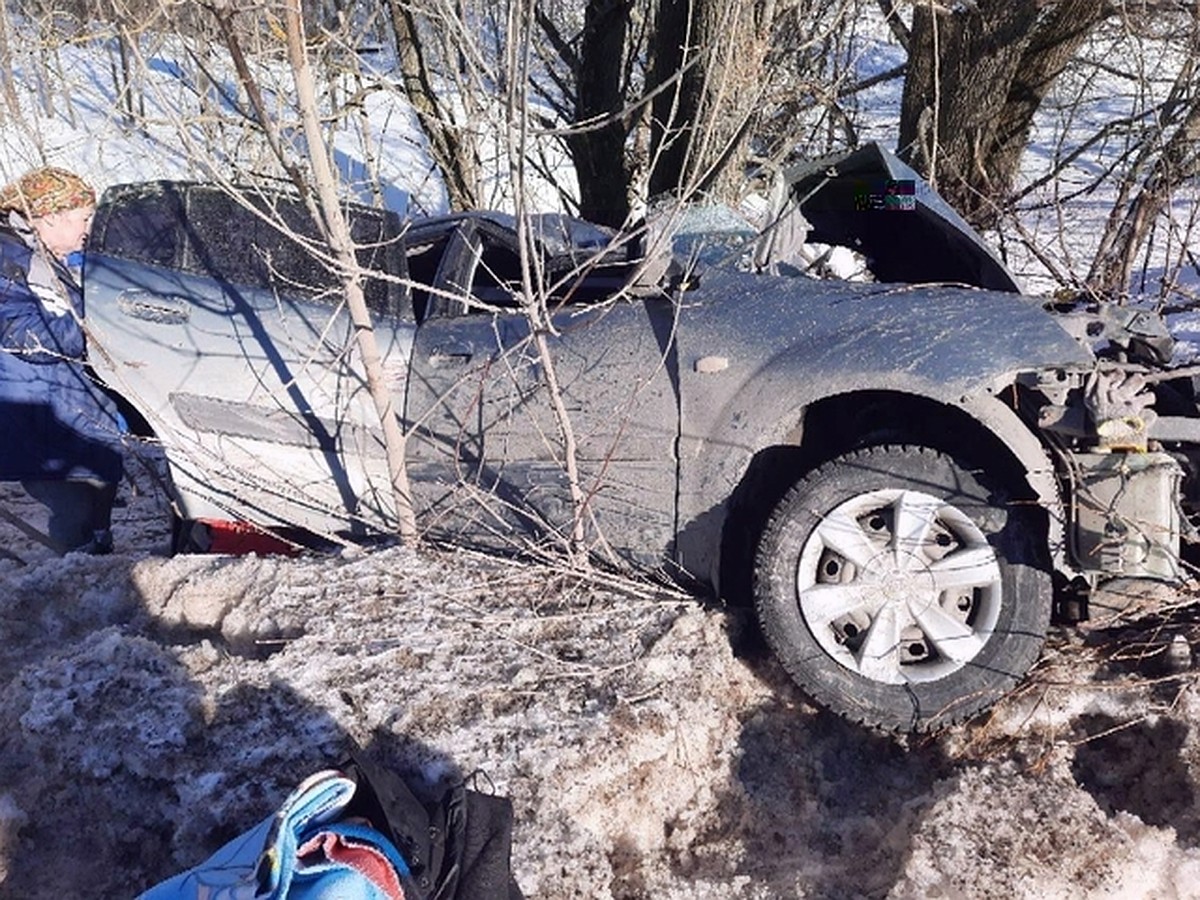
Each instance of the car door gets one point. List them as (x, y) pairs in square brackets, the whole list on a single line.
[(218, 321), (488, 456)]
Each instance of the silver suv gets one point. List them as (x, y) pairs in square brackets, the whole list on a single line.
[(896, 471)]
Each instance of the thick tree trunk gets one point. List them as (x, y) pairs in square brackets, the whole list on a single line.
[(709, 61), (598, 147), (977, 74)]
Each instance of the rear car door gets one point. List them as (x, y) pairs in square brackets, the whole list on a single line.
[(218, 319), (487, 456)]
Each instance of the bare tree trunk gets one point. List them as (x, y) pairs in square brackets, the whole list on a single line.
[(455, 156), (363, 121), (891, 15), (977, 73), (717, 50), (342, 245), (10, 93), (598, 146), (126, 82), (224, 14)]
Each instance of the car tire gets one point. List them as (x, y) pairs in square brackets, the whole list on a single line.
[(902, 590)]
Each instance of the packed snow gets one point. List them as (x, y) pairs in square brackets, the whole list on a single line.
[(155, 706)]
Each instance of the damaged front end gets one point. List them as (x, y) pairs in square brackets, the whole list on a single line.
[(1126, 435), (1125, 431)]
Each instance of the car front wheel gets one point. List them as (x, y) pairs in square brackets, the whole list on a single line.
[(900, 589)]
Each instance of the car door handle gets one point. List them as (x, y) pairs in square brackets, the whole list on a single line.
[(453, 355), (157, 308)]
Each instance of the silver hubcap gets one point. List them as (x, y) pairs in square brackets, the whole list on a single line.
[(899, 586)]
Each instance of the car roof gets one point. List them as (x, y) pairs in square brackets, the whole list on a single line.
[(557, 234)]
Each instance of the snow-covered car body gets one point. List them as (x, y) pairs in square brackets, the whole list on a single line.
[(699, 399)]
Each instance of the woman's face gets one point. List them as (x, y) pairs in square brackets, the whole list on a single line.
[(62, 233)]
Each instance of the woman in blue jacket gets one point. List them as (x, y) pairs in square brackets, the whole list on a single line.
[(60, 434)]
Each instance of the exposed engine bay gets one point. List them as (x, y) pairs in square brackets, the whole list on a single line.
[(1127, 436)]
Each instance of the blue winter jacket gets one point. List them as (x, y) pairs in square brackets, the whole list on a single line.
[(55, 422)]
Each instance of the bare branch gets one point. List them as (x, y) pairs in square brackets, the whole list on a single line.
[(342, 245)]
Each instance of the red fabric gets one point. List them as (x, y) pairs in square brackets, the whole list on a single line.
[(363, 858), (239, 538)]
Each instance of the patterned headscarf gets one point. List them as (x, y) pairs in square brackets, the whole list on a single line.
[(46, 190)]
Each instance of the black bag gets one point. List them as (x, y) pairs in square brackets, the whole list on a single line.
[(458, 847)]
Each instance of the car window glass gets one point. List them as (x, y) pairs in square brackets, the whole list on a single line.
[(279, 248), (575, 269), (142, 224), (496, 279), (478, 258), (423, 258)]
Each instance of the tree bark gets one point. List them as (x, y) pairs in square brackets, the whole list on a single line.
[(715, 51), (224, 15), (598, 147), (453, 154), (977, 74), (10, 93)]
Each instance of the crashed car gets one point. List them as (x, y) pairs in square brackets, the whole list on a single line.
[(905, 475)]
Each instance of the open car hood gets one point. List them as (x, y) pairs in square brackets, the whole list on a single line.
[(868, 200)]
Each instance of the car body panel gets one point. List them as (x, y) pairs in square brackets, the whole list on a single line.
[(788, 343), (784, 346), (259, 407), (262, 412), (478, 395)]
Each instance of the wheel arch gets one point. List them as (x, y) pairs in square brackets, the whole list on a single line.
[(980, 430)]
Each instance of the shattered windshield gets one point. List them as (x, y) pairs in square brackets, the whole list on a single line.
[(713, 234)]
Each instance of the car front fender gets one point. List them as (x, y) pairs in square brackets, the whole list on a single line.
[(746, 381)]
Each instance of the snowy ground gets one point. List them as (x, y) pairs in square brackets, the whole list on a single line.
[(151, 707)]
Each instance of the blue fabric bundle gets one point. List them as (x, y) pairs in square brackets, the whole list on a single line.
[(308, 850)]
